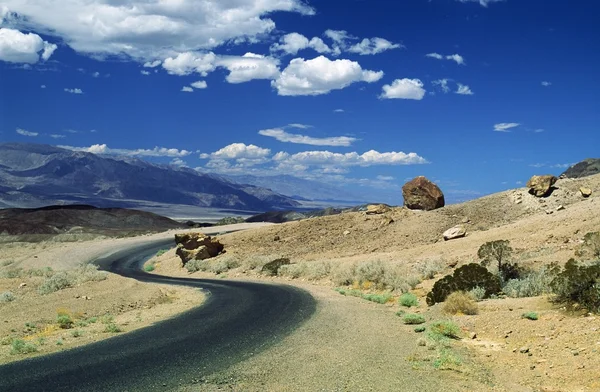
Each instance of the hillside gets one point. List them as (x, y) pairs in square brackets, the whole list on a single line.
[(33, 175), (587, 167)]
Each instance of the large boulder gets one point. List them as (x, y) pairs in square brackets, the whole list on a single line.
[(196, 246), (422, 194), (457, 231), (541, 186)]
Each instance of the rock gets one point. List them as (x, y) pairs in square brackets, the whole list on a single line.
[(422, 194), (196, 246), (541, 186), (421, 342), (585, 192), (560, 208), (376, 209), (465, 220), (276, 238), (346, 232), (272, 267), (21, 285), (473, 335), (455, 232), (524, 350)]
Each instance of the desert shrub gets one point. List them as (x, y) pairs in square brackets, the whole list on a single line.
[(11, 273), (398, 278), (460, 302), (197, 265), (591, 244), (317, 270), (272, 267), (161, 252), (46, 272), (64, 321), (378, 298), (254, 262), (447, 360), (530, 315), (477, 293), (223, 264), (444, 329), (19, 346), (578, 284), (533, 284), (343, 274), (464, 278), (149, 267), (229, 220), (88, 273), (408, 300), (112, 328), (420, 329), (370, 271), (412, 318), (7, 296), (6, 263), (76, 333), (59, 281), (293, 271), (430, 267)]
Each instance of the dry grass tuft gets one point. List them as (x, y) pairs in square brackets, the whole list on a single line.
[(460, 303)]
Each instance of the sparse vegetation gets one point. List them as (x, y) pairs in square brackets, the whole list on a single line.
[(578, 285), (76, 333), (460, 302), (230, 220), (408, 300), (498, 253), (223, 264), (161, 252), (464, 278), (412, 318), (149, 267), (64, 321), (420, 329), (533, 284), (196, 265), (591, 244), (477, 293), (19, 346), (444, 329), (378, 298), (272, 267), (429, 268), (65, 279), (7, 296), (112, 328), (530, 315)]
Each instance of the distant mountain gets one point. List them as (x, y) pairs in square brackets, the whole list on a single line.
[(299, 188), (33, 175), (585, 168)]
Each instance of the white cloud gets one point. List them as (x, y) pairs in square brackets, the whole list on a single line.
[(484, 3), (144, 72), (385, 178), (155, 152), (369, 158), (505, 127), (442, 84), (339, 111), (404, 89), (539, 130), (293, 42), (238, 151), (300, 126), (283, 136), (17, 47), (43, 86), (546, 83), (96, 74), (320, 76), (200, 84), (178, 162), (26, 133), (190, 62), (56, 136), (463, 89), (187, 89), (152, 64), (74, 90), (149, 30), (373, 46), (249, 67), (457, 58)]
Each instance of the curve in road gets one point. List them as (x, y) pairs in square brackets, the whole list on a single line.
[(237, 320)]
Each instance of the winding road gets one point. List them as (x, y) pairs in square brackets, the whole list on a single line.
[(237, 320)]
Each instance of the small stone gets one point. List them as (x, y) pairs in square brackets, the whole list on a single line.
[(21, 285), (465, 220), (549, 212), (472, 335), (421, 342), (276, 238), (346, 232), (560, 208), (524, 350), (532, 367), (575, 353), (585, 192)]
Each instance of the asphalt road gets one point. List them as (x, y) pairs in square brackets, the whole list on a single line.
[(237, 320)]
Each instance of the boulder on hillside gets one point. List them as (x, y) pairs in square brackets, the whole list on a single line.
[(422, 194), (585, 192), (541, 186), (196, 246), (457, 231), (376, 209)]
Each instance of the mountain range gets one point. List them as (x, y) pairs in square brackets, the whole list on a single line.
[(34, 175)]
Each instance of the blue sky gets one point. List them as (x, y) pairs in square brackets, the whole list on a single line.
[(477, 95)]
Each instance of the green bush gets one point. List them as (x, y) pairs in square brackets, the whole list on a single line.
[(370, 271), (196, 265), (533, 284), (112, 328), (7, 296), (64, 321), (272, 267), (578, 284), (464, 278), (223, 264), (412, 318), (498, 252), (378, 298), (444, 329), (19, 346), (61, 280), (477, 293), (420, 329), (149, 267), (76, 333), (530, 315), (161, 252), (408, 300)]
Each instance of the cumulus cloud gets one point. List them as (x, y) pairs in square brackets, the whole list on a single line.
[(187, 89), (151, 30), (189, 62), (404, 89), (200, 84), (155, 152), (178, 162), (442, 84), (74, 90), (249, 67), (483, 3), (17, 47), (369, 158), (285, 137), (23, 132), (463, 89), (505, 127), (238, 151), (373, 46), (385, 178), (457, 58), (320, 76), (144, 72), (293, 42)]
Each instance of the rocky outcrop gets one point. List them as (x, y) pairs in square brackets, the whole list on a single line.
[(457, 231), (422, 194), (196, 246), (541, 186), (376, 209)]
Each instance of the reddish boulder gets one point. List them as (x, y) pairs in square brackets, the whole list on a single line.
[(422, 194)]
